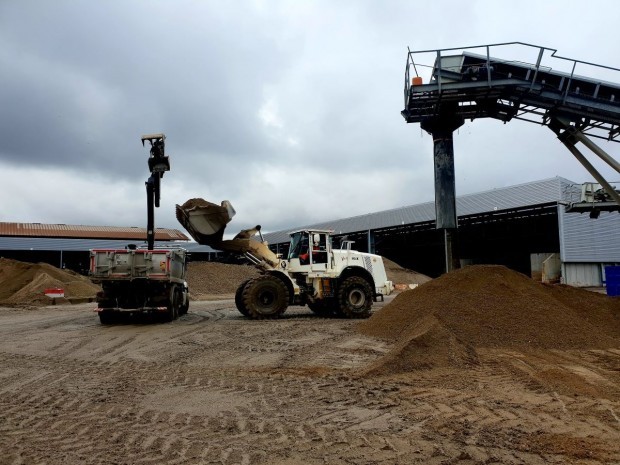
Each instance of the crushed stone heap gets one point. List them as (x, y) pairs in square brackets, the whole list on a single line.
[(204, 278), (213, 278), (24, 283), (399, 275), (445, 320)]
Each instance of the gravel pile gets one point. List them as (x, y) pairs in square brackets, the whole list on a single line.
[(209, 278), (24, 283), (213, 278), (399, 275), (445, 320)]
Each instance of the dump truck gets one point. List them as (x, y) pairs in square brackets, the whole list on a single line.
[(139, 281), (330, 281)]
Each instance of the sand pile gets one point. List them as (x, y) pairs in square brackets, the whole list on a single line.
[(204, 278), (445, 320), (24, 283), (213, 278), (399, 275)]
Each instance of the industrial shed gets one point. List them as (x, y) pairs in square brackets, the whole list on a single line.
[(524, 227), (68, 246)]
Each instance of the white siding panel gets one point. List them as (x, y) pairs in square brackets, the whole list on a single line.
[(584, 239), (582, 274)]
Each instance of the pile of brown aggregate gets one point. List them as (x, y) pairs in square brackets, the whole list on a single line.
[(213, 278), (444, 321), (399, 275), (24, 283)]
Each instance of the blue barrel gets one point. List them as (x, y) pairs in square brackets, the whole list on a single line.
[(612, 280)]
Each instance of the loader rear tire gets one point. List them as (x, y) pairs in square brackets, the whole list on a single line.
[(265, 297), (239, 298), (355, 298)]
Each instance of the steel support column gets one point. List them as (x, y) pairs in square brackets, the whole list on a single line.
[(441, 128), (371, 242)]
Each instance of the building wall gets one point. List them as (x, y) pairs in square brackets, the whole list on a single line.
[(587, 240), (585, 274), (582, 274)]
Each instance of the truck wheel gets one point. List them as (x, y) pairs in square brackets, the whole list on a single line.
[(174, 302), (184, 299), (239, 298), (184, 308), (107, 317), (182, 305), (265, 297), (355, 297)]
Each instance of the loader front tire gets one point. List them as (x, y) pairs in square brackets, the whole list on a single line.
[(355, 298), (239, 298), (265, 297)]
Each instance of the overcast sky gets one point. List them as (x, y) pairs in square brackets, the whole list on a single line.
[(288, 109)]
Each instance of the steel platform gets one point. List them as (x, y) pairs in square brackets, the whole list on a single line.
[(471, 85)]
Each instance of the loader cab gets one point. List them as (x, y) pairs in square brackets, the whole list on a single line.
[(310, 248)]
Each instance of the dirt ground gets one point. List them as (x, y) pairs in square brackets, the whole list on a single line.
[(214, 387)]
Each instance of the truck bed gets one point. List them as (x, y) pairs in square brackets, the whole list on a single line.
[(123, 264)]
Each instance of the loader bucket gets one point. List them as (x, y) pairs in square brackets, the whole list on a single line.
[(205, 221)]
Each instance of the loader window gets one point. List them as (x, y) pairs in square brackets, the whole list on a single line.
[(319, 249), (298, 242)]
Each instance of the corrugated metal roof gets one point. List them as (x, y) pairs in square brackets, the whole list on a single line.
[(517, 196), (82, 245), (86, 232)]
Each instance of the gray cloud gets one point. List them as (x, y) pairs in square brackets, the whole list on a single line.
[(290, 110)]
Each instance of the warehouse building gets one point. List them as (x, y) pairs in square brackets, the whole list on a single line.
[(68, 246), (525, 227)]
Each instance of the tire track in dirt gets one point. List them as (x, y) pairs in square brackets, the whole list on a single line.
[(184, 393), (73, 420), (468, 415)]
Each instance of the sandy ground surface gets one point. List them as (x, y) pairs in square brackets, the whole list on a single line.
[(214, 387)]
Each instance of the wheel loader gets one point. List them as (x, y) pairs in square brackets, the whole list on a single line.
[(330, 281)]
